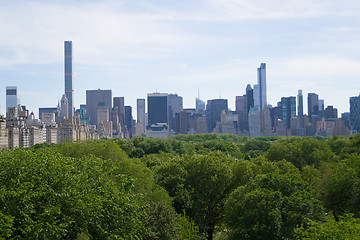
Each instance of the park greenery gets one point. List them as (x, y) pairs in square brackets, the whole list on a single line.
[(201, 186)]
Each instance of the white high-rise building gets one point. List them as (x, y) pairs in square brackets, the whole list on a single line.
[(260, 100), (141, 112), (64, 113), (12, 97)]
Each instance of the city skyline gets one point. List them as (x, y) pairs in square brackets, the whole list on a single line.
[(135, 48)]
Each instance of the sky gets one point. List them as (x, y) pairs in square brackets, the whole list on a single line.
[(214, 47)]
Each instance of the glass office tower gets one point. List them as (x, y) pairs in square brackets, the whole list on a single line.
[(68, 76)]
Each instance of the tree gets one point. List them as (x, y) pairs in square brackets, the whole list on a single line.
[(348, 228), (270, 207), (161, 220), (51, 196), (301, 152), (339, 186), (200, 185)]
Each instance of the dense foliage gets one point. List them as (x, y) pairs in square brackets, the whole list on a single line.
[(203, 186)]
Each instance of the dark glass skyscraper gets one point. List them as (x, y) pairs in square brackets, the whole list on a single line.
[(288, 109), (214, 109), (68, 76), (355, 113), (157, 108)]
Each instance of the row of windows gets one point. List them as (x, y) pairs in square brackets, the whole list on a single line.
[(11, 92)]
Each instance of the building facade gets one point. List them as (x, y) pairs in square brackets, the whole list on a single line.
[(12, 97), (95, 98), (214, 108), (157, 108), (68, 55), (355, 113)]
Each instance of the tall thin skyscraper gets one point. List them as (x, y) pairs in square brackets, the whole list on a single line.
[(300, 104), (141, 112), (12, 97), (262, 85), (68, 76)]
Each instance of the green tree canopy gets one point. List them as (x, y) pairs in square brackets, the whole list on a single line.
[(50, 196), (270, 207)]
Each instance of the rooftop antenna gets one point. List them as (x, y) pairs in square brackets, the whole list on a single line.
[(220, 93), (198, 93)]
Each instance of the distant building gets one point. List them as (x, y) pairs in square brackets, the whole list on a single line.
[(175, 105), (158, 130), (266, 127), (201, 125), (119, 102), (18, 133), (43, 111), (12, 97), (95, 98), (68, 76), (330, 112), (141, 117), (300, 112), (130, 126), (313, 106), (214, 108), (262, 86), (3, 134), (254, 122), (157, 108), (288, 109), (249, 97), (355, 113), (241, 106), (199, 105), (321, 105), (64, 107), (72, 129)]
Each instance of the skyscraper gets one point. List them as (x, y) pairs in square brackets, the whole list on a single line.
[(129, 121), (64, 113), (300, 104), (288, 109), (157, 108), (68, 76), (175, 105), (261, 74), (249, 97), (119, 102), (199, 105), (313, 105), (12, 97), (95, 98), (242, 111), (214, 109), (355, 113), (141, 112)]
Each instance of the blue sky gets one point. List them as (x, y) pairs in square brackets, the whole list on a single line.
[(136, 47)]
